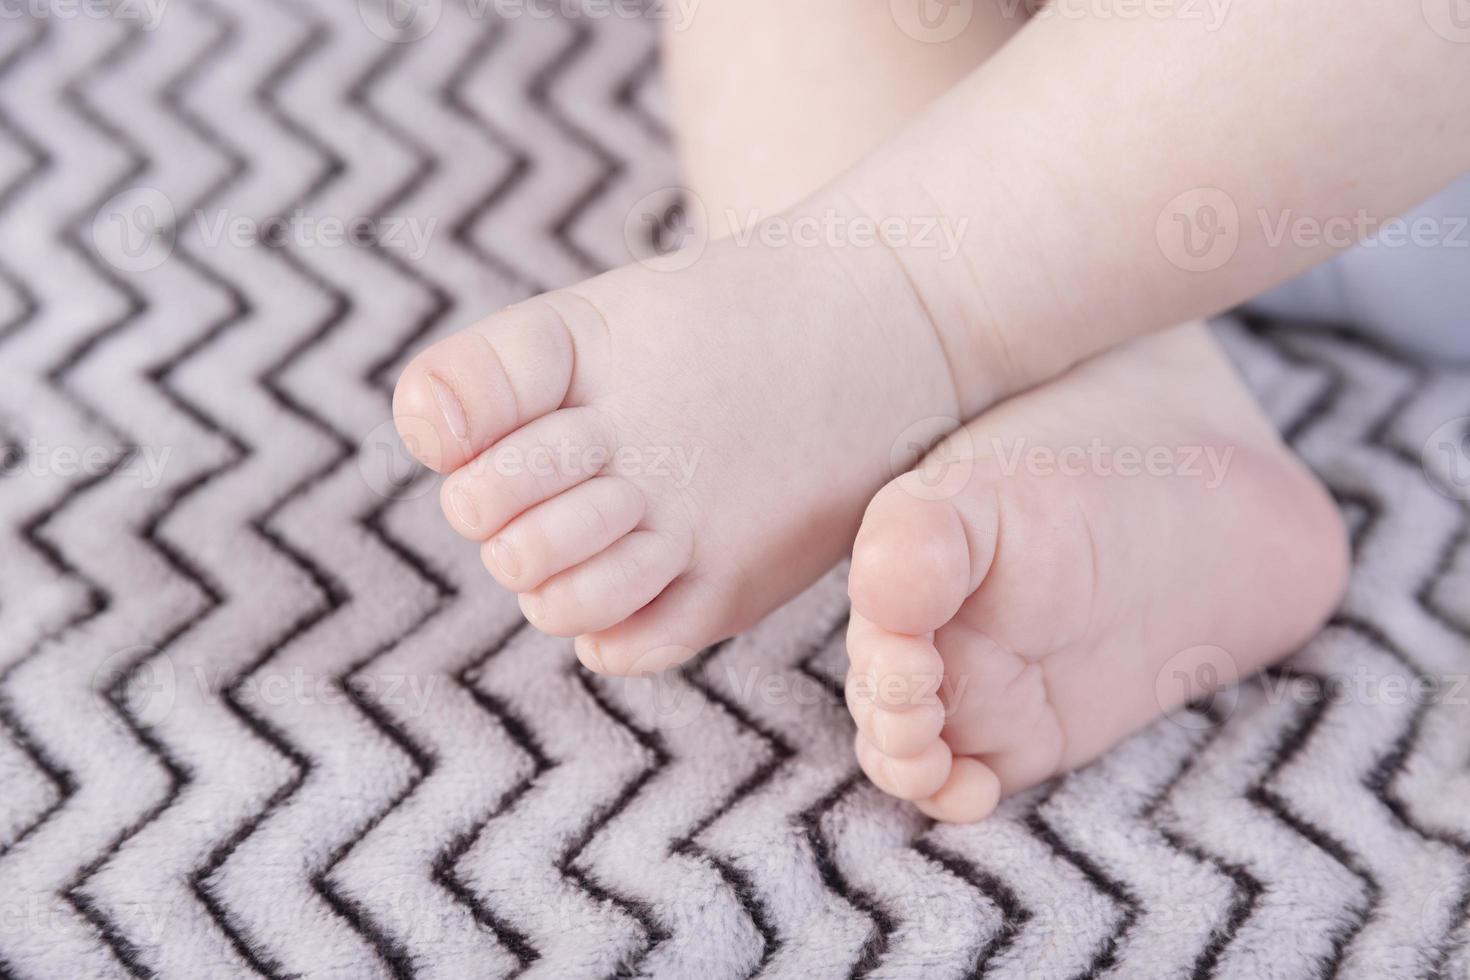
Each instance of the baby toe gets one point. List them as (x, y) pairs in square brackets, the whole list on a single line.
[(607, 588), (890, 670), (900, 735), (564, 531), (916, 778), (970, 793), (533, 464)]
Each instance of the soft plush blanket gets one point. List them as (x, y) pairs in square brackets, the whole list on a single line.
[(264, 715)]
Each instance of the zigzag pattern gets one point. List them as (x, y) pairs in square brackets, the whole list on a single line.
[(262, 717)]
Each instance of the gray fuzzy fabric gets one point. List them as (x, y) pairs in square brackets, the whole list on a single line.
[(264, 714)]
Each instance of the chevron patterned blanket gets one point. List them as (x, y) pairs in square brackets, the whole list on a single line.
[(263, 716)]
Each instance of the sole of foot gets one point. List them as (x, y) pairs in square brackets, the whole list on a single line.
[(1074, 564)]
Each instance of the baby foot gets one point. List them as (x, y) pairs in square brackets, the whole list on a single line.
[(1020, 603), (656, 459)]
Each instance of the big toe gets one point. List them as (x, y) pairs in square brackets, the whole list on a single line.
[(916, 560), (460, 395)]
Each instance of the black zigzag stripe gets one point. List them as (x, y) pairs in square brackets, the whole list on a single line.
[(830, 684), (329, 591), (1380, 779), (1014, 914), (62, 781), (538, 92), (422, 758), (178, 562), (810, 822), (445, 863), (625, 96), (740, 883), (159, 375), (1380, 437), (38, 162), (124, 949), (1248, 888), (521, 165), (1268, 799), (98, 599), (1129, 906), (654, 931), (441, 303)]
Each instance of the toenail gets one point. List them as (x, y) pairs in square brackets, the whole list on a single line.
[(505, 558), (449, 404), (532, 606), (464, 508), (587, 653)]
